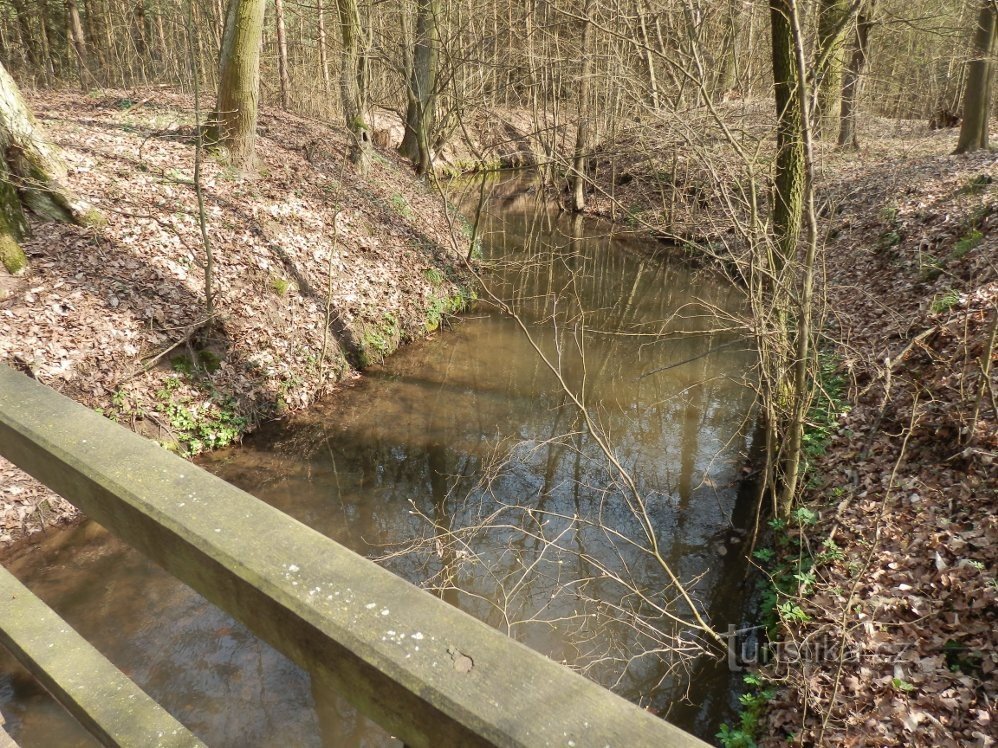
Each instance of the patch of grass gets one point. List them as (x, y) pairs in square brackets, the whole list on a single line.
[(889, 239), (976, 185), (401, 206), (433, 276), (280, 285), (945, 301), (967, 242), (889, 213)]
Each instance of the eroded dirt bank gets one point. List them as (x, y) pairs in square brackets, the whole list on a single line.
[(115, 316)]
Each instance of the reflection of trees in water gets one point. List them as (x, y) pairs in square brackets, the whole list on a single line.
[(475, 476)]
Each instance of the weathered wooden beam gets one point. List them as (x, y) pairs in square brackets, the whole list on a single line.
[(102, 698), (427, 672)]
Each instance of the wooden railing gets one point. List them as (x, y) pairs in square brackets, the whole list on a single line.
[(452, 681)]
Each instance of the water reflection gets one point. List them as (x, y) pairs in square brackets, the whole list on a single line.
[(466, 466)]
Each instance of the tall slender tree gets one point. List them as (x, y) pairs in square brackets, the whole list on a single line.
[(578, 177), (788, 187), (353, 82), (852, 77), (282, 52), (421, 93), (977, 93), (234, 121), (833, 18)]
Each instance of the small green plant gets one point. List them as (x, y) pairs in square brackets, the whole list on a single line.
[(280, 285), (960, 659), (433, 276), (902, 685), (792, 612), (804, 516), (945, 301), (832, 552), (889, 213), (749, 719), (967, 242), (977, 184), (765, 555), (401, 206), (199, 425)]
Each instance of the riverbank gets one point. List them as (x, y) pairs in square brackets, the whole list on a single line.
[(897, 615), (115, 316), (887, 633)]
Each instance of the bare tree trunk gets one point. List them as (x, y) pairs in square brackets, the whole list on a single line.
[(801, 393), (649, 57), (140, 31), (76, 34), (789, 180), (853, 77), (416, 143), (31, 176), (282, 52), (832, 15), (977, 94), (28, 37), (578, 180), (323, 58), (728, 73), (353, 83), (234, 121)]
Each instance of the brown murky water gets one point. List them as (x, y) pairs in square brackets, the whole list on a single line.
[(464, 465)]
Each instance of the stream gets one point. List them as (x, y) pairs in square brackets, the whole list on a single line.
[(463, 464)]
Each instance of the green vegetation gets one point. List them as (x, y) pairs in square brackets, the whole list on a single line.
[(12, 257), (966, 243), (197, 424), (401, 206), (945, 301), (977, 184), (280, 285), (445, 305), (379, 340), (753, 704)]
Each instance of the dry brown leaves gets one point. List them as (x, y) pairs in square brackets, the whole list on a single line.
[(908, 615), (101, 301)]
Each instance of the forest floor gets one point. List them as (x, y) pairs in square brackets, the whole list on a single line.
[(115, 317), (894, 619)]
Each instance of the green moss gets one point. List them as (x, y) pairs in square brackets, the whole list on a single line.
[(93, 218), (379, 340), (12, 256), (446, 305)]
